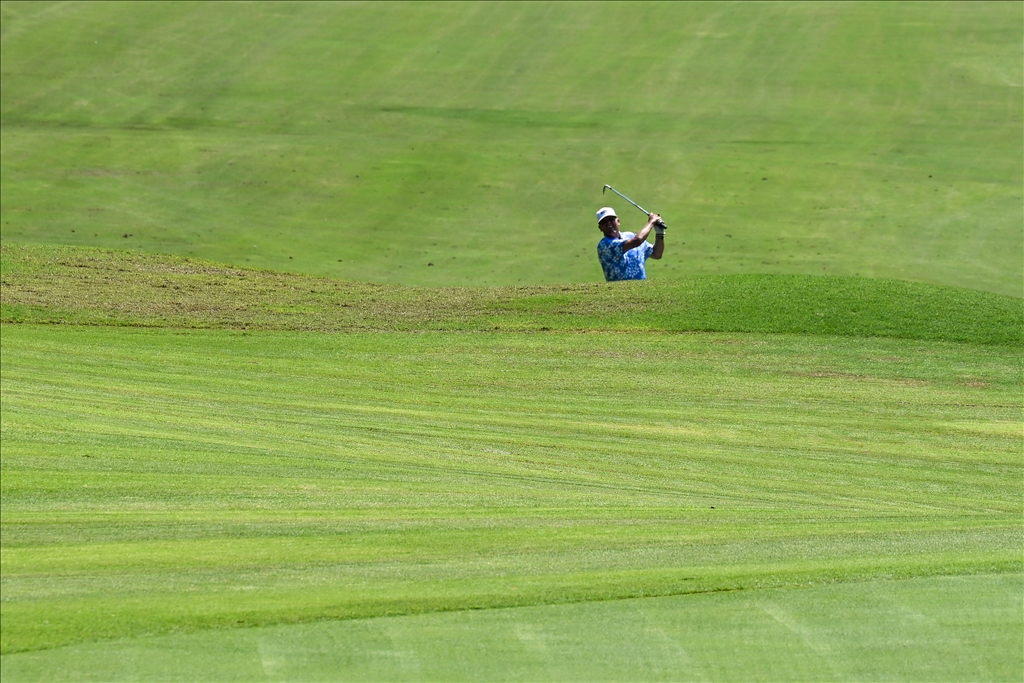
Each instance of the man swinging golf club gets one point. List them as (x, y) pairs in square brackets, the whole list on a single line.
[(622, 255)]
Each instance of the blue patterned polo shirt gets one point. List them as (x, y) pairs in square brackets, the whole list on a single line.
[(623, 266)]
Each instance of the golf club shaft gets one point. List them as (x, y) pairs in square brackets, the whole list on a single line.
[(609, 187)]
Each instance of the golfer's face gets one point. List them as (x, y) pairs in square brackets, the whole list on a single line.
[(610, 227)]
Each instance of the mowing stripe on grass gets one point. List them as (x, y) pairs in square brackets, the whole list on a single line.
[(922, 629)]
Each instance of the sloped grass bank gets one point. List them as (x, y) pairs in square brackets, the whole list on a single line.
[(159, 481), (102, 287)]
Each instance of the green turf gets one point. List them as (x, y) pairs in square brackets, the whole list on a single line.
[(159, 481), (932, 629), (795, 454), (466, 144), (100, 287)]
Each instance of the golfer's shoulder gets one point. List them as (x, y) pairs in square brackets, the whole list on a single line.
[(609, 241)]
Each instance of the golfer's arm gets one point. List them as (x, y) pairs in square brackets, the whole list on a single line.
[(659, 247), (637, 239)]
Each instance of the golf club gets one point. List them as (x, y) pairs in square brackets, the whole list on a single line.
[(646, 212)]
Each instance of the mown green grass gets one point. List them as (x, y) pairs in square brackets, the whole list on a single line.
[(827, 462), (369, 141), (941, 629), (100, 287), (160, 481)]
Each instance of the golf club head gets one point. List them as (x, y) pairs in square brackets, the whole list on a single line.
[(605, 188)]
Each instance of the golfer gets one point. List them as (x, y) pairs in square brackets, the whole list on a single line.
[(622, 255)]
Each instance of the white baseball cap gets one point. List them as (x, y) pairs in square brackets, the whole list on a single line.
[(605, 213)]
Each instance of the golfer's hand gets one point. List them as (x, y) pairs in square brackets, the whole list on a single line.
[(659, 226)]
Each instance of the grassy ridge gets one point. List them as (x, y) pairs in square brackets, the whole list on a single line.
[(90, 286), (168, 480), (369, 140)]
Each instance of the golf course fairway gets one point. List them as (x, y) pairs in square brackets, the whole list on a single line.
[(308, 370)]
